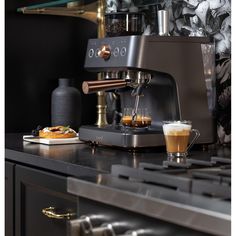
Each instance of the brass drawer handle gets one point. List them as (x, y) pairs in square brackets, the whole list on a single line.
[(50, 212)]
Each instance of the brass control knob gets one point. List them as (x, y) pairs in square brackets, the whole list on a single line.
[(104, 52)]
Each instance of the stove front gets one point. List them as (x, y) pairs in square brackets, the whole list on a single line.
[(190, 197)]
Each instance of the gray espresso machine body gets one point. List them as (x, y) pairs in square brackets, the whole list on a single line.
[(181, 88)]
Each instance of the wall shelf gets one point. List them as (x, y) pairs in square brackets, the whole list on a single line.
[(68, 8)]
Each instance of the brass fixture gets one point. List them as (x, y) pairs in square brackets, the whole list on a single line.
[(50, 212), (72, 8), (101, 95), (93, 12)]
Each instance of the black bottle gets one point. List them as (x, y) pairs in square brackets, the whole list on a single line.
[(66, 105)]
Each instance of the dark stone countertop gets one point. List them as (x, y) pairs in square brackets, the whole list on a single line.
[(83, 159)]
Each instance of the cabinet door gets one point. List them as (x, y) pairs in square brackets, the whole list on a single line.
[(36, 190), (9, 199)]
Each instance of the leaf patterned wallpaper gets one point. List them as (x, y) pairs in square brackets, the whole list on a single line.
[(195, 18)]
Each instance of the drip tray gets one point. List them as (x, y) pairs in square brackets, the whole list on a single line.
[(122, 137)]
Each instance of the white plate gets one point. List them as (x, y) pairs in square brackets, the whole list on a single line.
[(33, 139)]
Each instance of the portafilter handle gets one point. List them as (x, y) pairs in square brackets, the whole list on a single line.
[(101, 85)]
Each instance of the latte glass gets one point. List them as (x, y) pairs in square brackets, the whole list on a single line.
[(177, 135)]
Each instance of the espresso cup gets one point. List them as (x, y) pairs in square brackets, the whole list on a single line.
[(141, 120), (126, 119), (177, 135), (146, 117)]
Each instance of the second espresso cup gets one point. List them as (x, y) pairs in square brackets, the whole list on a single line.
[(177, 135)]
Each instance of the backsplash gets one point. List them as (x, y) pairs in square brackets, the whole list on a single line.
[(38, 51), (196, 18)]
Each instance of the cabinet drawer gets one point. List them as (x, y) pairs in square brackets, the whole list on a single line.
[(36, 190), (9, 198)]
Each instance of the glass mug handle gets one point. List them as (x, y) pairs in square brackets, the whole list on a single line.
[(197, 134)]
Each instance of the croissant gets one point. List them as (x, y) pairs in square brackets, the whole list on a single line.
[(57, 132)]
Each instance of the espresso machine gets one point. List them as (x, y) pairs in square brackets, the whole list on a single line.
[(171, 76)]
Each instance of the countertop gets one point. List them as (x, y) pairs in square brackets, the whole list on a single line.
[(87, 170), (83, 159)]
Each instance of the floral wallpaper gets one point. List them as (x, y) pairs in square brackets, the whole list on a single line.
[(195, 18)]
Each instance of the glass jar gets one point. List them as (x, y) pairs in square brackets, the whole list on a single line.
[(124, 23)]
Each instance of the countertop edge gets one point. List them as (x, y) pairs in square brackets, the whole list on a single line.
[(49, 164)]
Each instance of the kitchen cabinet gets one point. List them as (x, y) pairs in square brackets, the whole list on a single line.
[(28, 192), (9, 198)]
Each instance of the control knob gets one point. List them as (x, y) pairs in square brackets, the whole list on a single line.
[(84, 225), (104, 52), (111, 229)]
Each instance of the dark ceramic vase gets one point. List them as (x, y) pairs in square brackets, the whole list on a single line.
[(66, 105)]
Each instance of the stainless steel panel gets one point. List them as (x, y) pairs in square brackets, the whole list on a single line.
[(140, 198)]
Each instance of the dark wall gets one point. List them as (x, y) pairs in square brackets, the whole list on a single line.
[(39, 49)]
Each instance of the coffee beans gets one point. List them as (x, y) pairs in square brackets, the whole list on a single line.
[(116, 28), (123, 23)]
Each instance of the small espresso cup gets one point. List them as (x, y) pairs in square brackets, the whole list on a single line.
[(177, 135), (142, 119)]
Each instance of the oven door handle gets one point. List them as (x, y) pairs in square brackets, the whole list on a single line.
[(51, 212)]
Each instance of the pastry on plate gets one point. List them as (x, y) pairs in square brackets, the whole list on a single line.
[(57, 132)]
